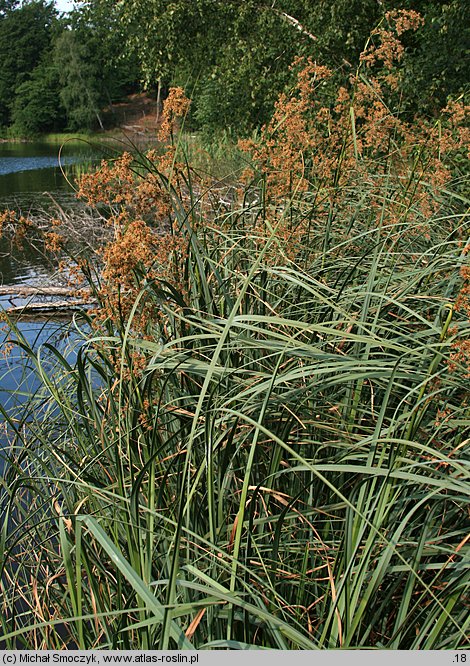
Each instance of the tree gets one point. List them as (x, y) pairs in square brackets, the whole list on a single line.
[(25, 35), (79, 80), (238, 90), (37, 106), (101, 35), (7, 6), (233, 56), (229, 55), (437, 62)]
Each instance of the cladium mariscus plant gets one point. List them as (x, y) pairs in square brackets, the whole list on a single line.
[(262, 440)]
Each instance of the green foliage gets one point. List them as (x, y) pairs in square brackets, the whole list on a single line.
[(7, 6), (436, 66), (79, 82), (25, 36), (238, 91), (102, 40), (37, 108), (35, 46), (93, 71), (233, 57)]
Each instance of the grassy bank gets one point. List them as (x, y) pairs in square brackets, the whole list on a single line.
[(263, 440)]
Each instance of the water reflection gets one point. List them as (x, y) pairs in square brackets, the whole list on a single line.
[(10, 165), (16, 384), (26, 265), (31, 178), (31, 181), (19, 380)]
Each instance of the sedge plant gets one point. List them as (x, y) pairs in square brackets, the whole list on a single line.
[(263, 439)]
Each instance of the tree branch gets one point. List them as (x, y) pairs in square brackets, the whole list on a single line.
[(294, 22)]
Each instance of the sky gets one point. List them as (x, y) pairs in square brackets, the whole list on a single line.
[(64, 5)]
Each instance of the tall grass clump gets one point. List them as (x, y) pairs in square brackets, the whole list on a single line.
[(263, 441)]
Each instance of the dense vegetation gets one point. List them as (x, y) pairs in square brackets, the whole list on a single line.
[(56, 74), (232, 57), (262, 439)]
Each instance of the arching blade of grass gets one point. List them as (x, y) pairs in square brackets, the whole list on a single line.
[(138, 585)]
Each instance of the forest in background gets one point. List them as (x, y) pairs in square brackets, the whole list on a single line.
[(232, 58)]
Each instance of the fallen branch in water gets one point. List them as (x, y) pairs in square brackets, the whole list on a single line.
[(34, 310), (56, 310), (27, 290)]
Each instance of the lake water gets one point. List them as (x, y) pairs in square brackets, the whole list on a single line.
[(31, 180), (31, 172)]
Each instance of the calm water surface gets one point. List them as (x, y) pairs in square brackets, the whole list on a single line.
[(30, 173), (32, 180)]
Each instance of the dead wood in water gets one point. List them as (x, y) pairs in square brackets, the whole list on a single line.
[(36, 311), (41, 311), (27, 290)]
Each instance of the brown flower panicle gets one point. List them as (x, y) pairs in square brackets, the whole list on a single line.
[(15, 226), (327, 145), (175, 107), (147, 242)]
